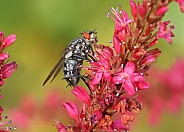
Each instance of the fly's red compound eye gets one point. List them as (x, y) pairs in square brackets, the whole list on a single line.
[(86, 35)]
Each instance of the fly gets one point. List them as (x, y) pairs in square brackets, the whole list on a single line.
[(72, 58)]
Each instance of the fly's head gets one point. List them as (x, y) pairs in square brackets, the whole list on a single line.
[(90, 37)]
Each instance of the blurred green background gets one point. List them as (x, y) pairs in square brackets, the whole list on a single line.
[(45, 27)]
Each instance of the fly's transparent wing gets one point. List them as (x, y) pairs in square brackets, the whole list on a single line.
[(55, 71), (57, 68)]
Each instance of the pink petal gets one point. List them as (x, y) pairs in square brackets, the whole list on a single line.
[(96, 79), (4, 56), (8, 69), (142, 85), (81, 94), (117, 44), (9, 40), (118, 78), (107, 76), (136, 77), (129, 68), (72, 110), (129, 87)]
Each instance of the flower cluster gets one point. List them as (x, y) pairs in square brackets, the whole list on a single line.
[(6, 70), (119, 71)]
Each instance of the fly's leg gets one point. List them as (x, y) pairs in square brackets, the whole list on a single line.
[(84, 80), (81, 57), (92, 58)]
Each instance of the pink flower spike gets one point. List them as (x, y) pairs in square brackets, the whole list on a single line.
[(133, 8), (81, 94), (161, 11), (72, 110), (4, 56), (9, 40), (8, 69)]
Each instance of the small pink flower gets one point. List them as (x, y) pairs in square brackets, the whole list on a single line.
[(166, 32), (130, 80), (121, 20), (81, 94), (121, 27), (101, 68), (8, 69), (101, 72), (105, 53), (72, 110)]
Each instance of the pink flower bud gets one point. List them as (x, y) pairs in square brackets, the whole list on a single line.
[(8, 69), (133, 8), (161, 11), (117, 44), (137, 53), (150, 56), (155, 41), (142, 11), (81, 94), (3, 56), (72, 110), (9, 40)]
